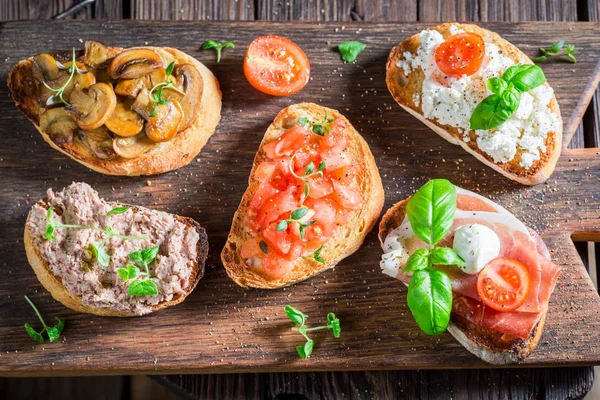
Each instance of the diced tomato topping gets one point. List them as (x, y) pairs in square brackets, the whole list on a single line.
[(460, 54), (333, 194)]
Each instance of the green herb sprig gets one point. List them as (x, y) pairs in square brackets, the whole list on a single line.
[(308, 172), (299, 318), (351, 50), (317, 255), (317, 128), (97, 249), (430, 212), (59, 92), (159, 87), (296, 216), (557, 50), (218, 47), (142, 258), (53, 332), (498, 107), (117, 210)]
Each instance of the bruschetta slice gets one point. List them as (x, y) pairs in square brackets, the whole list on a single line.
[(497, 272), (313, 195), (111, 259), (478, 91), (136, 111)]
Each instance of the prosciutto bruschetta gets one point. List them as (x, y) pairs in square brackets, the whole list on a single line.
[(478, 91), (314, 193), (491, 276)]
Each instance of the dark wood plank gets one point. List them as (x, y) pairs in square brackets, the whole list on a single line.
[(193, 9), (46, 9), (592, 13), (88, 388), (229, 330), (549, 384)]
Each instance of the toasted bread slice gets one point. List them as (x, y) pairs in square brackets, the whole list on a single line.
[(346, 239), (491, 346), (57, 289), (405, 89), (165, 156)]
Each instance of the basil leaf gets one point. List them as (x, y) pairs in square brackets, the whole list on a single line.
[(100, 254), (117, 210), (431, 210), (525, 77), (318, 129), (142, 288), (299, 213), (136, 257), (445, 256), (497, 85), (511, 98), (149, 254), (282, 225), (430, 300), (334, 324), (490, 113), (34, 334), (351, 50), (417, 261), (296, 316)]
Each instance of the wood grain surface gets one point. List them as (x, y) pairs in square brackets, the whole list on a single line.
[(227, 329)]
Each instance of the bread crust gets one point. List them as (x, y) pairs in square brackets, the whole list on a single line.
[(346, 239), (491, 346), (403, 88), (54, 285), (164, 157)]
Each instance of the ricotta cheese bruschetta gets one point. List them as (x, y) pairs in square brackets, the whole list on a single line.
[(137, 111), (490, 276), (111, 259), (313, 195), (478, 91)]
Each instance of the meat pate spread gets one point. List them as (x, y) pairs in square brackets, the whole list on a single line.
[(68, 255)]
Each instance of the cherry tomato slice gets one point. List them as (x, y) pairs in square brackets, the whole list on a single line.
[(460, 54), (276, 66), (503, 284)]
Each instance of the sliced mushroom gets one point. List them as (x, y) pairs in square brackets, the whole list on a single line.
[(164, 125), (131, 87), (45, 68), (125, 122), (190, 81), (96, 54), (132, 147), (99, 141), (99, 134), (84, 80), (58, 124), (134, 63), (143, 104), (93, 106)]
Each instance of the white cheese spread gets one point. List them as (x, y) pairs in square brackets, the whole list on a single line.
[(451, 101)]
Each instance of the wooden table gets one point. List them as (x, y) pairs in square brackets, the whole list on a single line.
[(517, 383)]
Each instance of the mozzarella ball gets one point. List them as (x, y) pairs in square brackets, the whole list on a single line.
[(477, 245)]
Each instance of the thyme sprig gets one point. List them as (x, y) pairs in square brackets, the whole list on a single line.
[(58, 93), (159, 87)]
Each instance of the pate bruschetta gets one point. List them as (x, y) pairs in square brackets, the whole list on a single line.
[(110, 259), (486, 277), (137, 111), (314, 193), (478, 91)]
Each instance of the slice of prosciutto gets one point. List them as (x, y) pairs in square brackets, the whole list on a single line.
[(517, 242)]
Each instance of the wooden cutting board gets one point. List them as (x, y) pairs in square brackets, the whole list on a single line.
[(223, 328)]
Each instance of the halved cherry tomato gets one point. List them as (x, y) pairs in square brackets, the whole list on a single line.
[(276, 66), (503, 284), (460, 54)]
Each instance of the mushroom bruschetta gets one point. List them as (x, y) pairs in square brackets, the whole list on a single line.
[(472, 268), (110, 259), (478, 91), (137, 111), (314, 193)]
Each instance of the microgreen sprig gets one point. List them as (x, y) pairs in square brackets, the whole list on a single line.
[(53, 332), (142, 258), (167, 84), (317, 255), (58, 93), (556, 50), (299, 318), (218, 47), (296, 216), (317, 128), (117, 210), (308, 172)]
